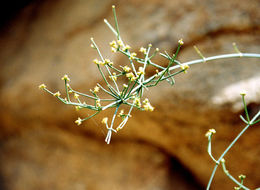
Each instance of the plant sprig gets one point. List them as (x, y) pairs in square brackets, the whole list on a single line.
[(131, 94)]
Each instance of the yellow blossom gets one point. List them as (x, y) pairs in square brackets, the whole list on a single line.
[(210, 132), (121, 113), (140, 71), (130, 76), (98, 103), (125, 85), (57, 94), (77, 108), (78, 121), (96, 61), (42, 86), (96, 89), (184, 67), (132, 55), (181, 42), (120, 43), (137, 102), (126, 47), (104, 120), (65, 78), (126, 69), (113, 77), (143, 50), (107, 61), (76, 96)]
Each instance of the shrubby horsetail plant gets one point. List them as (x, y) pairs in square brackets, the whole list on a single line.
[(131, 93)]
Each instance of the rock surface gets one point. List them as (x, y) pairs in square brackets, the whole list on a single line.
[(42, 149)]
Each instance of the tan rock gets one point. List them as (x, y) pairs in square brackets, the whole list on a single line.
[(50, 39)]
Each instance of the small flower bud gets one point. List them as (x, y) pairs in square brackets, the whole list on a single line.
[(78, 121), (57, 94), (42, 86), (104, 120), (65, 78), (76, 96), (181, 42)]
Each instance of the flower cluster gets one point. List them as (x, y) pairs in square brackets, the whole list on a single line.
[(130, 94)]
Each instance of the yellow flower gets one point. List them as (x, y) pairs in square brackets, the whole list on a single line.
[(137, 102), (96, 61), (126, 69), (210, 132), (107, 61), (184, 67), (143, 50), (78, 121), (77, 108), (96, 89), (42, 86), (121, 113), (76, 96), (98, 103), (126, 47), (147, 106), (132, 55), (104, 120), (130, 76), (57, 94), (66, 78), (125, 85), (140, 71), (120, 43), (181, 42), (113, 77), (113, 44)]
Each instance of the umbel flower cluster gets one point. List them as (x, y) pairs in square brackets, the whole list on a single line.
[(130, 93), (123, 97)]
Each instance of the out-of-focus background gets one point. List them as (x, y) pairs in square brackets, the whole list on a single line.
[(42, 148)]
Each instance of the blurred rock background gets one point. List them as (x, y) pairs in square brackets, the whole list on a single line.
[(42, 148)]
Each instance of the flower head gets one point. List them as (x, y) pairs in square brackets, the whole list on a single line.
[(147, 106), (143, 50), (130, 76), (98, 103), (78, 121), (140, 71), (42, 86), (96, 89), (137, 102), (57, 94), (126, 69), (210, 132), (126, 47), (181, 42), (132, 55), (76, 96), (65, 78), (104, 120), (184, 67)]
